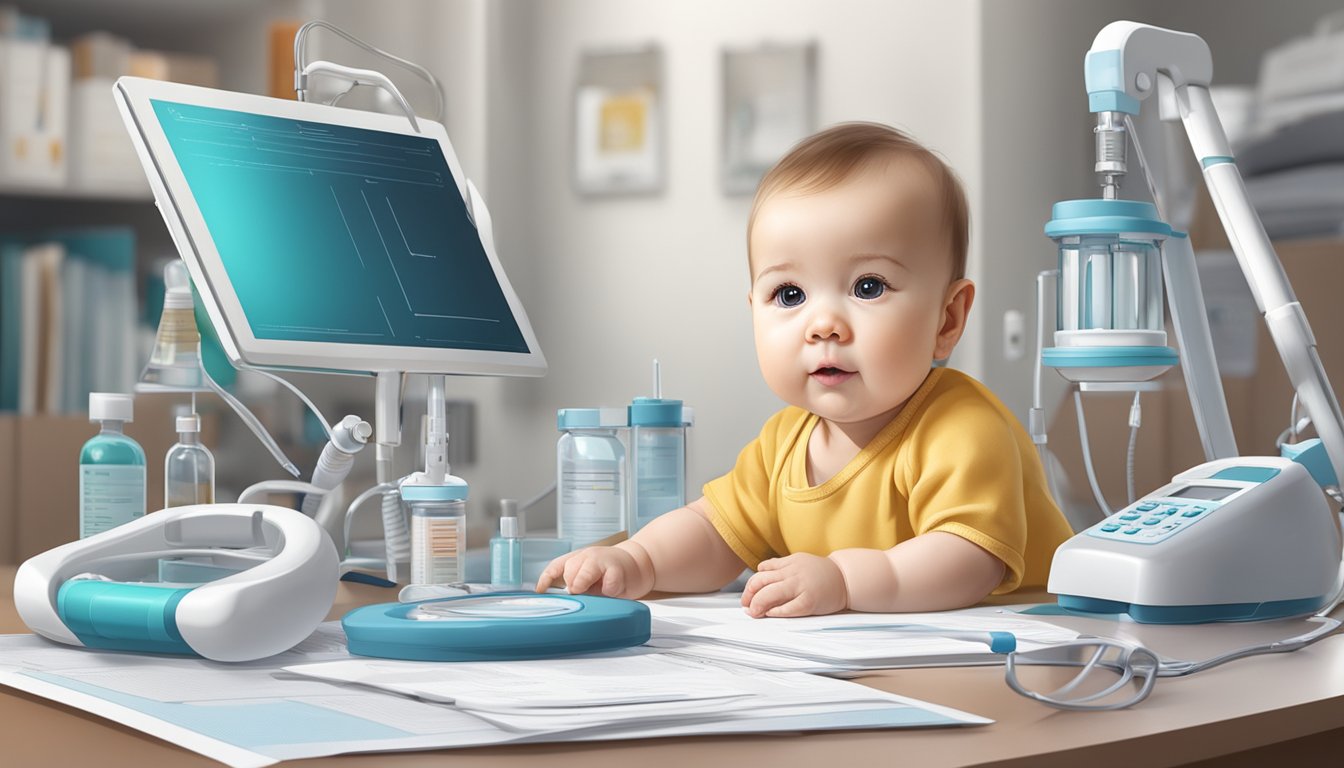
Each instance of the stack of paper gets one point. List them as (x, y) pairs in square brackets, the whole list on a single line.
[(282, 708), (617, 694), (716, 627)]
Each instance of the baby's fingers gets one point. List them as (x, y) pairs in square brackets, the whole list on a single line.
[(583, 573), (756, 582), (552, 571), (768, 597)]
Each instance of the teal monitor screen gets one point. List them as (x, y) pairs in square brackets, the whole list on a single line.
[(337, 234)]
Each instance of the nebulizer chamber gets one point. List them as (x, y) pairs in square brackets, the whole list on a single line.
[(1109, 319)]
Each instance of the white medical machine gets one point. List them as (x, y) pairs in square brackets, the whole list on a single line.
[(1235, 538), (334, 240), (273, 575)]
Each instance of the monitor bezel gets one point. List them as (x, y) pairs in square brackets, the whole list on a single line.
[(192, 238)]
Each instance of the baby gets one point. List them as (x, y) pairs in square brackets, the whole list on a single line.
[(888, 484)]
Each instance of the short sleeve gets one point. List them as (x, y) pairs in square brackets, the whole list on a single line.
[(744, 513), (964, 476)]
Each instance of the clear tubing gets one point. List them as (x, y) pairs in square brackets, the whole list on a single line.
[(1133, 443), (389, 488), (1087, 455), (1143, 166), (326, 426), (253, 423)]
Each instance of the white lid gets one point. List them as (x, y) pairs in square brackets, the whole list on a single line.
[(189, 423), (111, 406), (508, 527), (177, 286)]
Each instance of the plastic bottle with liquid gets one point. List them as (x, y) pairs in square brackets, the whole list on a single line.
[(111, 468), (658, 446), (590, 474), (189, 469), (506, 550)]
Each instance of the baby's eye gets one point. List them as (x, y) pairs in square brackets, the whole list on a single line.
[(788, 296), (869, 288)]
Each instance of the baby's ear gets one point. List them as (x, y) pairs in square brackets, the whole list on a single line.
[(956, 308)]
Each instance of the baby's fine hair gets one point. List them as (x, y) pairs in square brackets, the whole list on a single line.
[(824, 160)]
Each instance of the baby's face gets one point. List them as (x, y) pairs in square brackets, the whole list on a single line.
[(848, 291)]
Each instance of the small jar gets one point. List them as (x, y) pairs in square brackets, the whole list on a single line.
[(438, 532)]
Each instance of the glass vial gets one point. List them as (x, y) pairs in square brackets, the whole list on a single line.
[(658, 443), (189, 469), (590, 474), (438, 532), (111, 468), (506, 550)]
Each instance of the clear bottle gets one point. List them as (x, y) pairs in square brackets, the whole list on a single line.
[(506, 550), (111, 468), (590, 474), (658, 441), (438, 531), (189, 469), (175, 363)]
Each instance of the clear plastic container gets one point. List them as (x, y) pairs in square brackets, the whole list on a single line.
[(658, 443), (1109, 282), (111, 468), (506, 550), (590, 474), (438, 532), (189, 468)]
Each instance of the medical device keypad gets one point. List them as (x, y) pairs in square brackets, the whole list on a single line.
[(1153, 520)]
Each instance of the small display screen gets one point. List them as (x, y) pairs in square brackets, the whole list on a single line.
[(1207, 492)]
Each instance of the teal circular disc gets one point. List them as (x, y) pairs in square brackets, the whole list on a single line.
[(500, 626)]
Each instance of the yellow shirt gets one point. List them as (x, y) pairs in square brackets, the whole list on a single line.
[(954, 459)]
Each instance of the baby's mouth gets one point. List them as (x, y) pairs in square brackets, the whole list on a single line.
[(830, 375)]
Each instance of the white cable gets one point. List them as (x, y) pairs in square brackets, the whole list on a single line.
[(301, 61), (535, 500), (326, 425), (1143, 165), (1087, 455), (1134, 420), (360, 499), (252, 422), (278, 486)]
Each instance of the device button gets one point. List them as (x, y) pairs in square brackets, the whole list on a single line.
[(1152, 521), (1129, 516), (1196, 512), (1132, 531), (1171, 510), (1147, 506), (1110, 527)]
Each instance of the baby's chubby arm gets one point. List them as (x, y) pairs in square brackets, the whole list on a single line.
[(677, 552), (933, 572)]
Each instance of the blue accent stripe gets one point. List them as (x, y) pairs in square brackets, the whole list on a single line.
[(1104, 74), (1195, 614), (1212, 160), (1108, 357), (1247, 474), (123, 617)]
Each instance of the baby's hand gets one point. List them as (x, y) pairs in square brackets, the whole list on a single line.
[(797, 585), (609, 571)]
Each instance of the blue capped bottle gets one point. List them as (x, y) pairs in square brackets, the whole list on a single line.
[(658, 447), (111, 468)]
